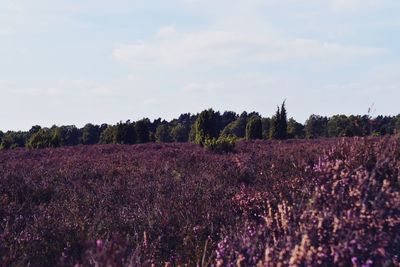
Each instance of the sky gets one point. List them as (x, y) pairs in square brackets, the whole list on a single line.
[(69, 62)]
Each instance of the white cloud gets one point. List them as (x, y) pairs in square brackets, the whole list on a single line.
[(353, 4), (61, 88), (166, 31), (229, 48)]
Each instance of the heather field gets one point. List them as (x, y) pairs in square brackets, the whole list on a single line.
[(328, 202)]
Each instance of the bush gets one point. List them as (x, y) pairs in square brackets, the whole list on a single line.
[(223, 144)]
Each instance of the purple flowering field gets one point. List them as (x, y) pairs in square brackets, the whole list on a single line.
[(321, 202)]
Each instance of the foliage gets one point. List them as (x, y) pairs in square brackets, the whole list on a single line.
[(179, 133), (236, 128), (254, 128), (295, 129), (223, 144), (209, 124), (90, 134), (226, 118), (278, 126), (163, 134), (192, 133), (206, 126), (316, 126), (281, 126), (69, 135), (125, 133), (12, 140), (108, 135), (266, 127), (142, 131), (40, 139)]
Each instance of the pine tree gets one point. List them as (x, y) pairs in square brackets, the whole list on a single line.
[(282, 123), (274, 128)]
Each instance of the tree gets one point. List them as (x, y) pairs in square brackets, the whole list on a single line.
[(206, 126), (163, 134), (295, 129), (179, 133), (13, 139), (90, 134), (254, 128), (107, 136), (266, 127), (125, 133), (316, 126), (236, 128), (192, 133), (142, 131), (69, 135), (55, 136), (397, 124), (6, 142), (337, 126), (226, 118), (40, 139), (274, 127), (34, 129), (282, 122)]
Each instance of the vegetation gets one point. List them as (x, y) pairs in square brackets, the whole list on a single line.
[(206, 127), (254, 128), (326, 202), (209, 124), (223, 144)]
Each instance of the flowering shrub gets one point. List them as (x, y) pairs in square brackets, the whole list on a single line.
[(290, 203), (349, 214)]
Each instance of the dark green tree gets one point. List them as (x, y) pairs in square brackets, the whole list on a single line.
[(142, 131), (179, 133), (69, 135), (316, 126), (226, 118), (337, 126), (397, 124), (254, 128), (192, 133), (55, 136), (90, 134), (6, 142), (13, 139), (274, 126), (295, 129), (34, 129), (282, 122), (163, 134), (236, 128), (107, 136), (266, 127), (206, 126), (125, 133), (40, 139)]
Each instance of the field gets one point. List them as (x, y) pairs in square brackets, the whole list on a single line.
[(293, 203)]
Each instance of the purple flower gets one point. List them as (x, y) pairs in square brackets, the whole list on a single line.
[(99, 243)]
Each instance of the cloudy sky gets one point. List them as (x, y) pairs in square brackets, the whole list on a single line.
[(79, 61)]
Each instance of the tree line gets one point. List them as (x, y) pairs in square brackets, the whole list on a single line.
[(202, 127)]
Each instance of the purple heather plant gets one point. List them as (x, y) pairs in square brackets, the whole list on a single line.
[(290, 203)]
